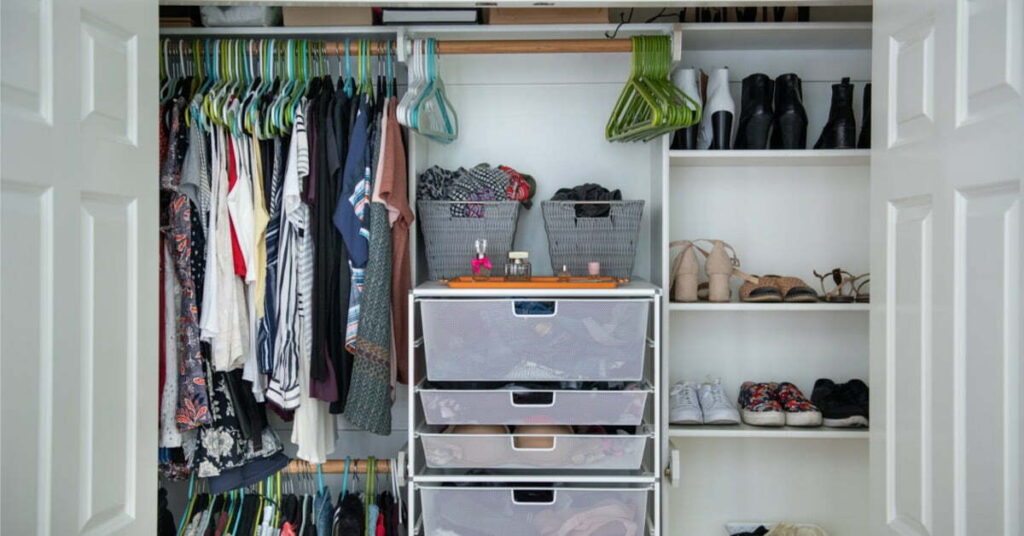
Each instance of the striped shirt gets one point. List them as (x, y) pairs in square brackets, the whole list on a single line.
[(294, 278), (267, 330)]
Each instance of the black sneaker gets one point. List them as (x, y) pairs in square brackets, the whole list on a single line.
[(843, 405)]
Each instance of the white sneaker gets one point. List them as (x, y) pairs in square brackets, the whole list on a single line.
[(715, 405), (684, 407)]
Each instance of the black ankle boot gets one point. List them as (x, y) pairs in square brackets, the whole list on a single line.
[(790, 129), (841, 130), (864, 142), (755, 112)]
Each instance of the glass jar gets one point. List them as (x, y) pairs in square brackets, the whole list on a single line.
[(518, 266)]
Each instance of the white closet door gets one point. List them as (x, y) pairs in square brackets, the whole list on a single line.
[(947, 169), (79, 266)]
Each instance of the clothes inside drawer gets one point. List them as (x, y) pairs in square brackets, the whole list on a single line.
[(535, 340), (533, 511), (515, 404), (556, 448)]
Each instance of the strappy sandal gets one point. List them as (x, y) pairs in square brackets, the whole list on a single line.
[(762, 289), (861, 296), (685, 268), (720, 267), (776, 288), (843, 280)]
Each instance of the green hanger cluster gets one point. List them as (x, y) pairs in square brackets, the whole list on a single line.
[(651, 105)]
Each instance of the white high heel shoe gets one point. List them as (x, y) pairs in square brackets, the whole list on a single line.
[(719, 110)]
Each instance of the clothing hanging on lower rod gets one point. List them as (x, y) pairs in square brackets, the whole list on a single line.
[(284, 273), (297, 502)]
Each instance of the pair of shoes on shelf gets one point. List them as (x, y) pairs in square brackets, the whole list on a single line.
[(840, 131), (843, 405), (848, 287), (777, 404), (772, 114), (721, 264), (715, 128), (706, 403), (776, 288)]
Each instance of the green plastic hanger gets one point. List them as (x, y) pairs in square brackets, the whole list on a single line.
[(650, 105)]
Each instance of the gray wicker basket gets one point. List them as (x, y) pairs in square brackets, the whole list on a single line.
[(450, 235), (611, 240)]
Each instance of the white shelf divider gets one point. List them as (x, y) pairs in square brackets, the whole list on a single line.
[(747, 431), (780, 307), (754, 158)]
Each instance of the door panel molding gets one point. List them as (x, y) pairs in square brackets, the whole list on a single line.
[(908, 364), (989, 57), (987, 313), (911, 95)]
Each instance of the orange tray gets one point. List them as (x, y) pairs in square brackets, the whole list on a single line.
[(534, 282)]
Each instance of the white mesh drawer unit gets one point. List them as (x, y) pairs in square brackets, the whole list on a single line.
[(535, 339)]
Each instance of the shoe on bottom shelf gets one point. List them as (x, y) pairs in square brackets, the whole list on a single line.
[(843, 405), (684, 404), (759, 406), (716, 407), (799, 410)]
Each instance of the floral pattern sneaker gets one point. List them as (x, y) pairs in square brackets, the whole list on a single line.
[(799, 411), (758, 405)]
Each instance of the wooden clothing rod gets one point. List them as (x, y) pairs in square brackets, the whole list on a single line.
[(337, 467)]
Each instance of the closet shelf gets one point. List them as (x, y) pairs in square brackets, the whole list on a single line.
[(786, 307), (785, 432), (745, 158), (776, 36)]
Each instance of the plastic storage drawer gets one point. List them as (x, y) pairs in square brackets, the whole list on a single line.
[(510, 451), (487, 511), (508, 406), (534, 340)]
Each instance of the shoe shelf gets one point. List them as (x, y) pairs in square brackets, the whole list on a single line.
[(763, 158), (786, 307), (784, 432)]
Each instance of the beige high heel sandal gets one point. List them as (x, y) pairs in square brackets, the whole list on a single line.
[(720, 267), (683, 287)]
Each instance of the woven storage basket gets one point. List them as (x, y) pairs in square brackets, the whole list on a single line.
[(450, 236), (611, 240)]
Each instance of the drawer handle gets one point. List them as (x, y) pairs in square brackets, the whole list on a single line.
[(534, 308), (554, 444), (537, 399), (538, 497)]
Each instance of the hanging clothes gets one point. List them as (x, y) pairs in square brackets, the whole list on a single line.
[(394, 194), (369, 398), (294, 277), (193, 400)]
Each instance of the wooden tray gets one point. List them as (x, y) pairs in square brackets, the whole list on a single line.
[(535, 282)]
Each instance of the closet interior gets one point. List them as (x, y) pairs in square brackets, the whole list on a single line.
[(792, 212)]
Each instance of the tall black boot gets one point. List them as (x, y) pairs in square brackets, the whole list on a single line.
[(790, 130), (841, 130), (864, 142), (755, 112)]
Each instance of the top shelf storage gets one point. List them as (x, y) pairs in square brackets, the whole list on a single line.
[(695, 36)]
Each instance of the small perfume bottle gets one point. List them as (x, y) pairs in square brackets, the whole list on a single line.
[(518, 266), (482, 263), (565, 275)]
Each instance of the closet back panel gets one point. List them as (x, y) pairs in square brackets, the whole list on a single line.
[(544, 115), (822, 481)]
